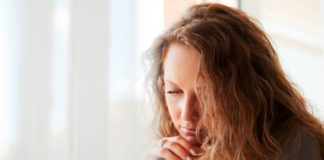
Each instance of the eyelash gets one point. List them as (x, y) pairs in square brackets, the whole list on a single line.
[(173, 92)]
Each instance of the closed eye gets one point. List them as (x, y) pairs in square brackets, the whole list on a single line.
[(173, 92)]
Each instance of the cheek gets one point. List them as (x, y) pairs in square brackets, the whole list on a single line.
[(174, 110)]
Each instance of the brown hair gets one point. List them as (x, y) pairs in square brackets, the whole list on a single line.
[(250, 108)]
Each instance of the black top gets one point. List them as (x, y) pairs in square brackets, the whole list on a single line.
[(303, 146)]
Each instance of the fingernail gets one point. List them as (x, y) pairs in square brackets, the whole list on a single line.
[(193, 152), (188, 158)]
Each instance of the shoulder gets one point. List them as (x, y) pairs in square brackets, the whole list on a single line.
[(303, 145)]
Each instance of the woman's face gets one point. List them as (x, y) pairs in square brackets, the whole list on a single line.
[(181, 67)]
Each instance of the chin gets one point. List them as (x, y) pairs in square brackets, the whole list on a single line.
[(190, 138)]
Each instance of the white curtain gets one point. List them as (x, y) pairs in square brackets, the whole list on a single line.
[(70, 75)]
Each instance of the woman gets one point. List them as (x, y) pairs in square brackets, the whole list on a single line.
[(222, 94)]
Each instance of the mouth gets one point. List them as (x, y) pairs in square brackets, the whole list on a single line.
[(188, 131)]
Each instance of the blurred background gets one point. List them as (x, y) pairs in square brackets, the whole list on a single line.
[(71, 74)]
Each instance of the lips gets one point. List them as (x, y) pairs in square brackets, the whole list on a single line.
[(188, 131)]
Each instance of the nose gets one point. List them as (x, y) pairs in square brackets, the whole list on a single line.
[(189, 107)]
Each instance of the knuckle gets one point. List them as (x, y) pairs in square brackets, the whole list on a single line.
[(173, 144), (178, 138)]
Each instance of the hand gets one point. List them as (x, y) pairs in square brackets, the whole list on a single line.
[(175, 148)]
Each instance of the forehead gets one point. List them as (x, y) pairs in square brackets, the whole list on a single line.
[(181, 65)]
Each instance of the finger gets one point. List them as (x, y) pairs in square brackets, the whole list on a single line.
[(192, 149), (165, 153), (177, 149)]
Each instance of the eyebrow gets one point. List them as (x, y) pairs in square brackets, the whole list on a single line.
[(171, 82)]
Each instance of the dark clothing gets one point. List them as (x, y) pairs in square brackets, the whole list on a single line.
[(304, 146)]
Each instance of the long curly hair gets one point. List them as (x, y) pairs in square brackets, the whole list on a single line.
[(250, 109)]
